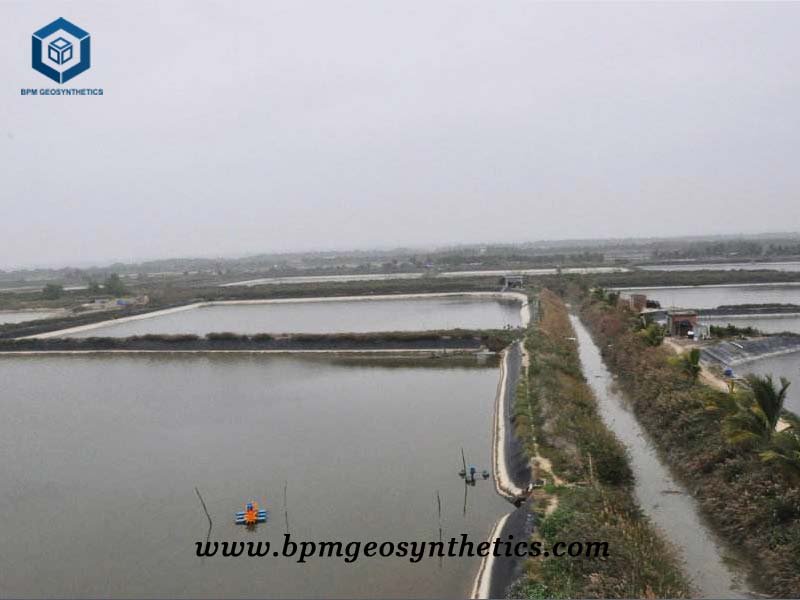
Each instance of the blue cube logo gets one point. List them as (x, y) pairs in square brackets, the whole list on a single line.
[(61, 50)]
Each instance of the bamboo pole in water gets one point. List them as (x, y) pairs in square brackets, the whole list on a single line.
[(208, 516)]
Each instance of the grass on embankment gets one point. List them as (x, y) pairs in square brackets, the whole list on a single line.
[(556, 414), (748, 501)]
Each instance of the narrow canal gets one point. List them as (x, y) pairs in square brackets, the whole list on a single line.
[(661, 497)]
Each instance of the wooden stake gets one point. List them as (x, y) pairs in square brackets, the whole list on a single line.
[(208, 516)]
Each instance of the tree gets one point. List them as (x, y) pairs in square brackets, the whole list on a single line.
[(598, 294), (785, 453), (94, 287), (113, 285), (689, 362), (753, 416), (653, 334), (52, 291), (768, 398)]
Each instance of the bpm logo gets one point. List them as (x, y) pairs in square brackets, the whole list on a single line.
[(60, 50)]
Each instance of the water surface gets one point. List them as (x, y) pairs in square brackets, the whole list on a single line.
[(101, 455), (785, 365), (746, 266), (412, 314), (712, 296), (20, 316), (765, 323), (663, 499)]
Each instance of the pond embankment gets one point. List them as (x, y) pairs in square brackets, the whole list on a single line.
[(662, 497), (512, 478), (733, 353), (749, 504), (588, 480), (423, 341)]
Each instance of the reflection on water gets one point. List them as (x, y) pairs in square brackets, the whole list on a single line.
[(101, 457), (663, 499), (414, 314)]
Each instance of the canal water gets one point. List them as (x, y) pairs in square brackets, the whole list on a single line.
[(662, 498), (408, 314), (712, 296), (101, 455)]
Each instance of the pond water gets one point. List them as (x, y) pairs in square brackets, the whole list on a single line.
[(663, 499), (101, 456), (764, 323), (411, 314), (784, 365), (20, 316), (711, 296), (748, 266)]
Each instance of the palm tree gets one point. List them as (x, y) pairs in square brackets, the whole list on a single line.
[(769, 399), (785, 453), (690, 363), (753, 417)]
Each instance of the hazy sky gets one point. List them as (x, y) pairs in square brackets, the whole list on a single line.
[(236, 127)]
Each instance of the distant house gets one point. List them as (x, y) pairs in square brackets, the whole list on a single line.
[(512, 281), (681, 322), (638, 302), (137, 301)]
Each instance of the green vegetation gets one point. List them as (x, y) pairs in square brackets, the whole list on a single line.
[(785, 454), (639, 565), (113, 285), (455, 339), (653, 334), (689, 363), (727, 455), (709, 277), (729, 330), (556, 415), (751, 415), (52, 291)]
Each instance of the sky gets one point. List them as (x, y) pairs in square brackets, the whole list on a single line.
[(233, 128)]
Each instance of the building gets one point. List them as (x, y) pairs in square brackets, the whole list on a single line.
[(638, 302), (681, 322), (512, 281)]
